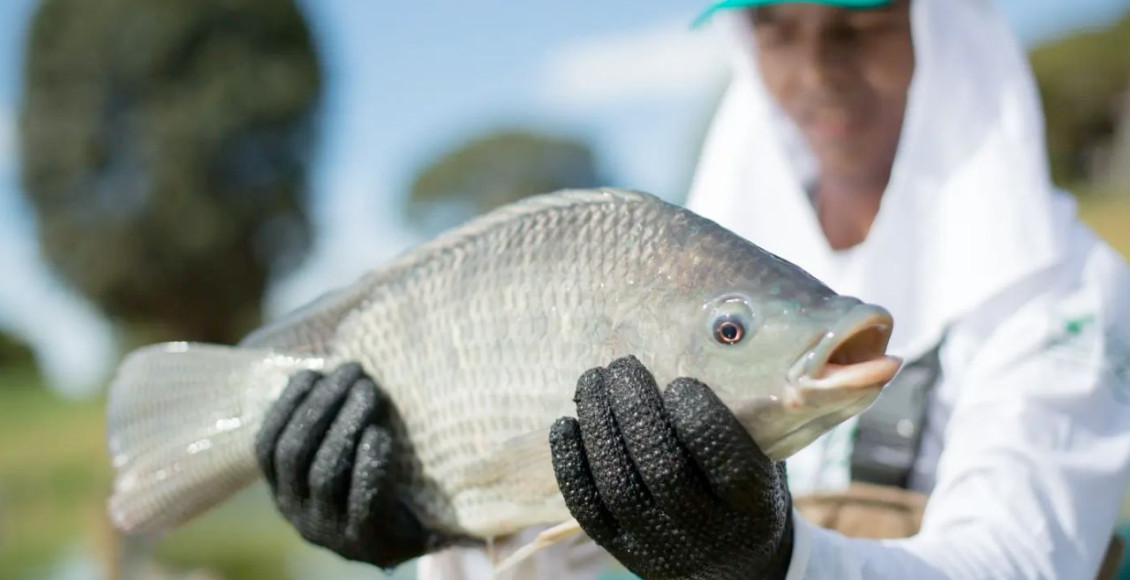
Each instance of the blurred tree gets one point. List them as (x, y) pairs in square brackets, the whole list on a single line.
[(493, 170), (164, 149), (1084, 79), (1120, 151), (15, 352)]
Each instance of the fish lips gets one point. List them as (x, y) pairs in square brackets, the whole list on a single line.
[(848, 362), (837, 378)]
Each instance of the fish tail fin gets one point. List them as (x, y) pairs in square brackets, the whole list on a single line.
[(181, 425)]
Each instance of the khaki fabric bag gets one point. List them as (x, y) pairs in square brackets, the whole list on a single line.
[(880, 512)]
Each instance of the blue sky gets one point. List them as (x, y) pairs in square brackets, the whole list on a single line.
[(405, 82)]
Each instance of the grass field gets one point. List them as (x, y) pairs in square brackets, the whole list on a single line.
[(50, 469), (54, 476)]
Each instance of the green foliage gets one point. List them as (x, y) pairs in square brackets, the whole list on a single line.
[(1084, 81), (1107, 211), (165, 153), (494, 170)]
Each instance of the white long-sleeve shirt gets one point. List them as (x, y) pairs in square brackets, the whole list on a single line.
[(1027, 448)]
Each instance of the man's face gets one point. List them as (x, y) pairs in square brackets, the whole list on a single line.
[(842, 75)]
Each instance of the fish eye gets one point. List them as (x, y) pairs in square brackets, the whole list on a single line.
[(729, 330), (731, 320)]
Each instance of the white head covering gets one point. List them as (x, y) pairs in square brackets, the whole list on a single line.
[(970, 208)]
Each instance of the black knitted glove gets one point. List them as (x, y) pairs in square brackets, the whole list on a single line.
[(672, 486), (326, 450)]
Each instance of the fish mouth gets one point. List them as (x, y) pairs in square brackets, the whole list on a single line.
[(838, 377), (847, 363)]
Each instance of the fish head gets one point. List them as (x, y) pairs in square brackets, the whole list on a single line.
[(790, 357), (792, 370)]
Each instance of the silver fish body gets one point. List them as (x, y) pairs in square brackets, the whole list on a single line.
[(479, 337)]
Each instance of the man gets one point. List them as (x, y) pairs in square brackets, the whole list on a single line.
[(894, 149)]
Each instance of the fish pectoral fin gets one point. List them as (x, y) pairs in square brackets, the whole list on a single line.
[(547, 538), (525, 458)]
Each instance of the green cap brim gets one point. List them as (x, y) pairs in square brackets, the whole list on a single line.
[(738, 4)]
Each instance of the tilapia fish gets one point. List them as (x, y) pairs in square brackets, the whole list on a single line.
[(479, 337)]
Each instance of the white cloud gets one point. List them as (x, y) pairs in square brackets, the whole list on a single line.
[(660, 62)]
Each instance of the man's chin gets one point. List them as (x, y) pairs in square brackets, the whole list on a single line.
[(844, 159)]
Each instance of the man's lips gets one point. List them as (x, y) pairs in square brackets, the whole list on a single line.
[(828, 126), (830, 116)]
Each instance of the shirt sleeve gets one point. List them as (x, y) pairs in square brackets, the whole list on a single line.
[(1036, 451)]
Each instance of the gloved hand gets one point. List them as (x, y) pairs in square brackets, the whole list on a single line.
[(326, 450), (671, 485)]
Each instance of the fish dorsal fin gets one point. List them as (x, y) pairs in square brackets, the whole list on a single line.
[(526, 206), (310, 329)]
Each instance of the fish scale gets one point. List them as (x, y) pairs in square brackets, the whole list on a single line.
[(478, 338), (476, 419)]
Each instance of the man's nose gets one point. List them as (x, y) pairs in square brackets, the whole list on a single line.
[(823, 63)]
